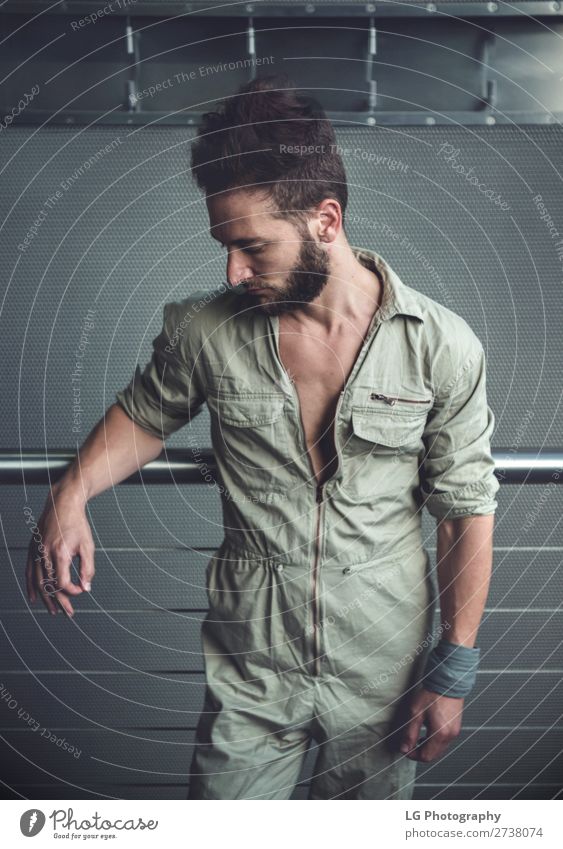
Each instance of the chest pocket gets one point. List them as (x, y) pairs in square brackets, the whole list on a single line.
[(390, 421), (381, 454), (249, 429), (387, 432)]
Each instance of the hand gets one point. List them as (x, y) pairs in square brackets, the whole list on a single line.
[(442, 717), (61, 533)]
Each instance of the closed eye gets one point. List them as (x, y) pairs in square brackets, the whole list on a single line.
[(244, 250)]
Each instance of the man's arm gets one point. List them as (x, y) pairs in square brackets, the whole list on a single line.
[(463, 567), (157, 402), (114, 450), (459, 489)]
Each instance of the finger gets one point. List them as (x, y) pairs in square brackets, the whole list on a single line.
[(442, 728), (64, 604), (52, 589), (416, 753), (45, 597), (412, 732), (87, 570), (433, 747), (63, 561), (437, 737), (413, 726)]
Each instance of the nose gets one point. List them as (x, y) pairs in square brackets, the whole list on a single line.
[(238, 268)]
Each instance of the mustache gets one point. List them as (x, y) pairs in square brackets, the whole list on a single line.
[(243, 286)]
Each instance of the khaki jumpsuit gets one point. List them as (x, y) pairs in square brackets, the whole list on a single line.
[(321, 598)]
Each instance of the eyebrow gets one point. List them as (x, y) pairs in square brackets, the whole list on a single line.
[(240, 242)]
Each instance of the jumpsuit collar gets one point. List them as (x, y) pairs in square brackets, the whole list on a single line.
[(397, 297)]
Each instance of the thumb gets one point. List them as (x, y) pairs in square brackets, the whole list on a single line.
[(87, 569), (412, 732)]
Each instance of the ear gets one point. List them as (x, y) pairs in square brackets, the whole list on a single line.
[(331, 219)]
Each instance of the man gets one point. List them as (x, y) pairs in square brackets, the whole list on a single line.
[(342, 401)]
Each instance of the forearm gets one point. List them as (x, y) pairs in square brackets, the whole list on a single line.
[(114, 449), (464, 564)]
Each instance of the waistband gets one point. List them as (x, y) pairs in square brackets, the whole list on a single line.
[(245, 552)]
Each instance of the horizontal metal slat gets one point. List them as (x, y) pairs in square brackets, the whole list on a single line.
[(171, 642), (171, 579), (481, 757), (77, 700)]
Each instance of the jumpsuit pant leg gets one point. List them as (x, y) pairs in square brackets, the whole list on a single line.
[(376, 634), (255, 752), (263, 706), (359, 760), (253, 733), (246, 754)]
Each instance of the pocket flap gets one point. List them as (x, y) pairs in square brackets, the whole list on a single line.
[(247, 410), (391, 430)]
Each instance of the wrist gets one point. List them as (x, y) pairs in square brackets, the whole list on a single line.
[(467, 640), (70, 488), (451, 669)]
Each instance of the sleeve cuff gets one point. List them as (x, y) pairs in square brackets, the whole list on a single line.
[(475, 499), (124, 398)]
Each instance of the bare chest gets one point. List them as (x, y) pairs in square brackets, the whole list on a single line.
[(319, 369)]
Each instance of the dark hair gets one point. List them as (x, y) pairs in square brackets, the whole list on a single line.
[(270, 138)]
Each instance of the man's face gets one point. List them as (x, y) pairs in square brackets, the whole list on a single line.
[(267, 253)]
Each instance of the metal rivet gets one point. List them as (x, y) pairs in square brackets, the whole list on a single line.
[(279, 567), (346, 570)]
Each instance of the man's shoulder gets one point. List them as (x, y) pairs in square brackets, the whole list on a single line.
[(451, 349), (442, 326), (203, 301), (202, 309)]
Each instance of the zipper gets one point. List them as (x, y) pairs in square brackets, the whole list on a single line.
[(315, 619), (315, 606), (319, 488), (393, 400), (315, 584)]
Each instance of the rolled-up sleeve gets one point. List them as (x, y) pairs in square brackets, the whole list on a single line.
[(457, 473), (166, 395)]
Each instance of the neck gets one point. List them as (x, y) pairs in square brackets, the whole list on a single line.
[(352, 294)]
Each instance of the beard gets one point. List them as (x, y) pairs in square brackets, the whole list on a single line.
[(305, 282)]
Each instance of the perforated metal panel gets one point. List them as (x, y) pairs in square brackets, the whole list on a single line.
[(130, 233)]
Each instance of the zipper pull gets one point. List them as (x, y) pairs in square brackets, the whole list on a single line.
[(385, 398), (319, 492)]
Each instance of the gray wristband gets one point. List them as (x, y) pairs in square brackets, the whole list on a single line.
[(451, 669)]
